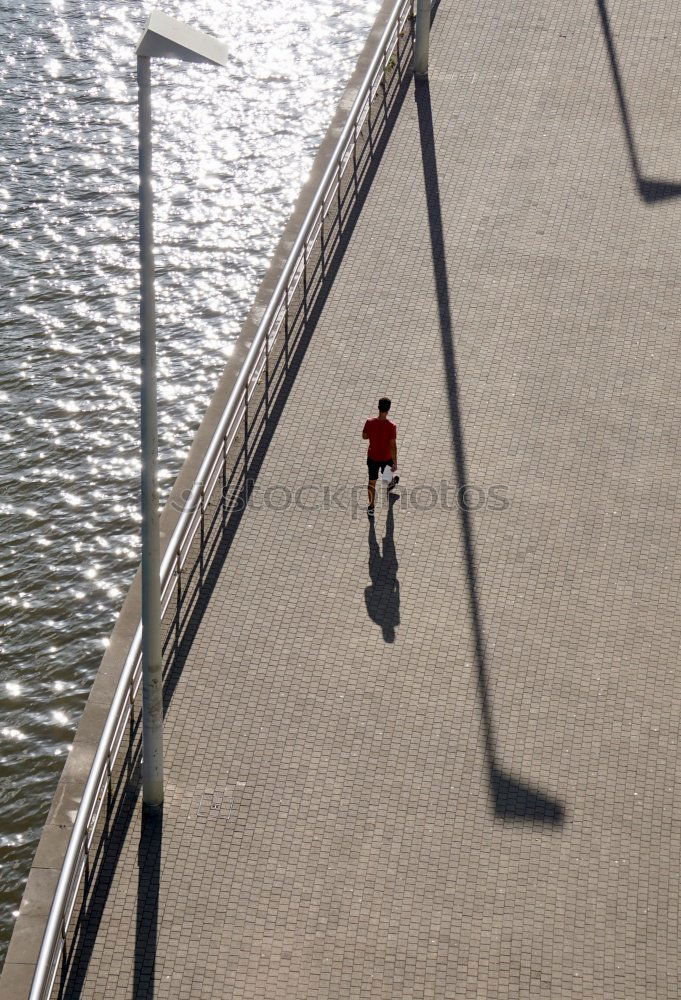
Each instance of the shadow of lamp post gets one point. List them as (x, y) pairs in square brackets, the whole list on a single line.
[(163, 38)]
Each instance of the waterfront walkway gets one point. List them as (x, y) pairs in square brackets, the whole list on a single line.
[(439, 757)]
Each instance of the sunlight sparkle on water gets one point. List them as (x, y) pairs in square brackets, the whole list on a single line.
[(12, 734), (231, 148)]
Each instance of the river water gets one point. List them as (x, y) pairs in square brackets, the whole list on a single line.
[(231, 150)]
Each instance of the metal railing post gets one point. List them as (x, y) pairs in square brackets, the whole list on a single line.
[(202, 541), (224, 481), (246, 432), (267, 375), (178, 599), (286, 328), (305, 282)]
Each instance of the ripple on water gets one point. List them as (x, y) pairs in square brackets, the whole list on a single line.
[(228, 167)]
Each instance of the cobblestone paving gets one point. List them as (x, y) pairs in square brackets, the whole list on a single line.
[(439, 759)]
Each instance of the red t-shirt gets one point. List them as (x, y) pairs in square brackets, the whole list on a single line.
[(381, 433)]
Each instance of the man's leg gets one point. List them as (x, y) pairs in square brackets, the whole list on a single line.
[(372, 492), (395, 479), (372, 468)]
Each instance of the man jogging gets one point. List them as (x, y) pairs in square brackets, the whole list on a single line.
[(381, 434)]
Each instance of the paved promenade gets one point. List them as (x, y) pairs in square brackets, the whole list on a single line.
[(438, 757)]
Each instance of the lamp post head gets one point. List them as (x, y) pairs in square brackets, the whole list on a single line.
[(167, 38)]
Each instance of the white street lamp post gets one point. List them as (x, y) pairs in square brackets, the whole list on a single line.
[(165, 38), (421, 39)]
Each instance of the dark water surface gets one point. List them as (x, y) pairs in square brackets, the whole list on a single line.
[(232, 148)]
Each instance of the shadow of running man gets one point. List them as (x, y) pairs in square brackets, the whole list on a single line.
[(382, 597)]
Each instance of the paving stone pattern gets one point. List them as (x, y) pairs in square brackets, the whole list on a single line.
[(440, 759)]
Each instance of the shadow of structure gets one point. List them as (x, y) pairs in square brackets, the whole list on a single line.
[(382, 597), (148, 887), (195, 585), (512, 799), (650, 189)]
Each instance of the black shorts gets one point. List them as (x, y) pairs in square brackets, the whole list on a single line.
[(376, 467)]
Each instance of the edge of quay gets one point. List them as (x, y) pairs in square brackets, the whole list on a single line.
[(24, 945)]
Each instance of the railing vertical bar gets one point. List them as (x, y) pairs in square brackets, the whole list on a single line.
[(178, 614), (384, 84), (305, 282), (202, 539), (224, 481), (246, 432), (286, 328), (397, 46), (267, 375), (322, 241)]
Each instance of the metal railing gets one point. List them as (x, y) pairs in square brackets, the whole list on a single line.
[(191, 520)]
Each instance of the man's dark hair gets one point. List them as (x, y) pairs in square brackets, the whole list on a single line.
[(383, 404)]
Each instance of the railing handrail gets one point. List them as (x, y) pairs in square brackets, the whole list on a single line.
[(55, 929)]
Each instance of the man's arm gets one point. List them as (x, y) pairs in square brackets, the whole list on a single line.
[(365, 436), (393, 452)]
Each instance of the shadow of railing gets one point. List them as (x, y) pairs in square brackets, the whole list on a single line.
[(512, 798), (110, 835), (650, 189), (223, 512)]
